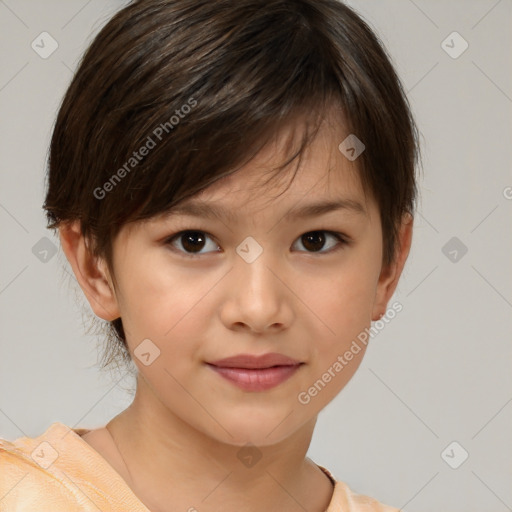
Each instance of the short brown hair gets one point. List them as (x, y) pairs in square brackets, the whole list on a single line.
[(216, 79)]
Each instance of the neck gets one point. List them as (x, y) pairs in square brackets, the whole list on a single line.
[(169, 461)]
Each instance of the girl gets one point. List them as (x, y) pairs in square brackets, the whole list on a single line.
[(239, 289)]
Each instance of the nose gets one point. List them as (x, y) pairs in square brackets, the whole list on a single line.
[(257, 297)]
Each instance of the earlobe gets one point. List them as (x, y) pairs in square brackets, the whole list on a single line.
[(390, 275), (90, 272)]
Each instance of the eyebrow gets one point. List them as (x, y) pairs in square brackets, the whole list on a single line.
[(202, 209)]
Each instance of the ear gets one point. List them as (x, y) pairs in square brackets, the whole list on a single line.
[(390, 274), (91, 272)]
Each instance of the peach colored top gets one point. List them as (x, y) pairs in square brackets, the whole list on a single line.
[(60, 472)]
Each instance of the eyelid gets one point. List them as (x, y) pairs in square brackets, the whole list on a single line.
[(168, 239), (343, 240)]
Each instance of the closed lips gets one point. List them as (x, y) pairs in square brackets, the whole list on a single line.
[(249, 361), (256, 373)]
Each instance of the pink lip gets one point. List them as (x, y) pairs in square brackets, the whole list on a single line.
[(250, 361), (256, 373), (256, 379)]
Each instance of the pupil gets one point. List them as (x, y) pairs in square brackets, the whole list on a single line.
[(313, 241), (193, 240)]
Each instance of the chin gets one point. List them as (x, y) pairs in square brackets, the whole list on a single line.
[(260, 430)]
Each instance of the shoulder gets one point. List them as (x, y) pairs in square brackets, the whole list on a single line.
[(27, 486), (363, 503), (345, 499), (58, 471), (32, 479)]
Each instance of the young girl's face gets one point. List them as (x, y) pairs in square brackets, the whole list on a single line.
[(258, 278)]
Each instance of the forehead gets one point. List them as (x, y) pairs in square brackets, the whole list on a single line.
[(323, 173)]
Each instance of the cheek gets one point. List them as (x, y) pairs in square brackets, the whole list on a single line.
[(343, 299), (166, 304), (337, 350)]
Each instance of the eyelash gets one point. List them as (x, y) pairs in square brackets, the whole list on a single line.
[(342, 239)]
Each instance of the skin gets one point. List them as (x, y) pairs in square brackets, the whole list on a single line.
[(187, 424)]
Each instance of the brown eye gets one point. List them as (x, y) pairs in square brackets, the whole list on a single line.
[(314, 241), (191, 242)]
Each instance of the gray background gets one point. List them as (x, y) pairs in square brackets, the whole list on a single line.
[(438, 373)]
